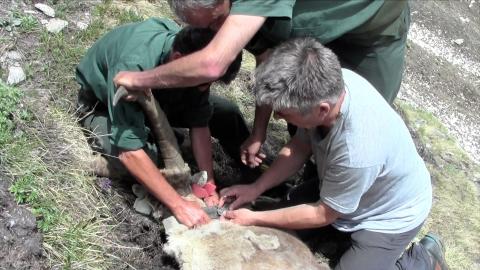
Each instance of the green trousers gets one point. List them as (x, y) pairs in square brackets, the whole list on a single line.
[(381, 62), (227, 125)]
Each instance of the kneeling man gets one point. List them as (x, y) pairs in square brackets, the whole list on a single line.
[(122, 132), (372, 185)]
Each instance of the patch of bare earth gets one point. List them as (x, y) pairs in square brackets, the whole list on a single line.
[(442, 73)]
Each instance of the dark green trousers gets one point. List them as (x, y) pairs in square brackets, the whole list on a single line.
[(381, 62)]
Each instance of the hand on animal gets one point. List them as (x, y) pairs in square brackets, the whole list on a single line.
[(239, 195), (128, 79), (241, 216), (190, 214), (250, 152), (213, 200)]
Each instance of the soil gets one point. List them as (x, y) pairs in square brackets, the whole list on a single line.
[(20, 241), (442, 76)]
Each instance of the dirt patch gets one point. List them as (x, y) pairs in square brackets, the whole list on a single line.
[(442, 73), (141, 236), (20, 241)]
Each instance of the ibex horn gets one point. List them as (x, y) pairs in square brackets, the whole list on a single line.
[(121, 92)]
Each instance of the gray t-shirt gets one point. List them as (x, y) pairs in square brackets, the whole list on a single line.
[(368, 165)]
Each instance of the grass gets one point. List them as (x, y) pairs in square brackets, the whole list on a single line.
[(45, 152), (455, 213), (49, 159)]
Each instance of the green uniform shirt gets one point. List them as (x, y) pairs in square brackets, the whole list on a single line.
[(361, 21), (138, 47)]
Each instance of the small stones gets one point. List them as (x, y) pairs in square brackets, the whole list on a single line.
[(464, 20), (81, 25), (143, 206), (50, 12), (459, 41), (56, 25), (471, 3), (16, 75), (13, 55)]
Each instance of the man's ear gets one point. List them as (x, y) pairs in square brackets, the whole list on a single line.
[(323, 109), (175, 55)]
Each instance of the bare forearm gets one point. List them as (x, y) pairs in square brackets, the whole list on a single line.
[(202, 149), (144, 170), (302, 216), (260, 123), (192, 70), (208, 64), (290, 159)]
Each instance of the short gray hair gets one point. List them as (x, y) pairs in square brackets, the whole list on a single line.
[(299, 74), (180, 6)]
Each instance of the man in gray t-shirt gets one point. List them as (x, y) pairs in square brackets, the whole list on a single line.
[(372, 185), (369, 168)]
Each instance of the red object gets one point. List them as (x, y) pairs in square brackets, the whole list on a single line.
[(210, 188), (202, 192), (199, 191)]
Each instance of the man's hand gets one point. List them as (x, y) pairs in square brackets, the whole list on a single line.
[(241, 216), (128, 79), (250, 151), (242, 194), (190, 214)]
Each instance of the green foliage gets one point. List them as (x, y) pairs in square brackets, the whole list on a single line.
[(9, 99), (25, 189), (28, 23), (47, 215), (128, 16), (454, 214)]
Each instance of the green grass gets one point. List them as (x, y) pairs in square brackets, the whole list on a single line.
[(45, 152), (9, 99), (455, 214)]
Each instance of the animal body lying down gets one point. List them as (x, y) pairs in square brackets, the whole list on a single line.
[(228, 246)]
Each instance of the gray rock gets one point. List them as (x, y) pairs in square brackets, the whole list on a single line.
[(13, 55), (56, 25), (81, 25), (46, 10), (143, 206), (15, 75), (28, 11), (172, 226)]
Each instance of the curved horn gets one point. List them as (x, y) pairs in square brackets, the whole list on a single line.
[(176, 170), (121, 92)]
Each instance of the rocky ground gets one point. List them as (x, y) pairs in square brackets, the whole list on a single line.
[(443, 67), (442, 77)]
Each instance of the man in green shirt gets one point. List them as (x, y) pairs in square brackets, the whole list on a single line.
[(122, 130), (368, 36)]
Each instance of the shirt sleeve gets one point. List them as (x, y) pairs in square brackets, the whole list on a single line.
[(343, 187), (128, 130), (264, 8)]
